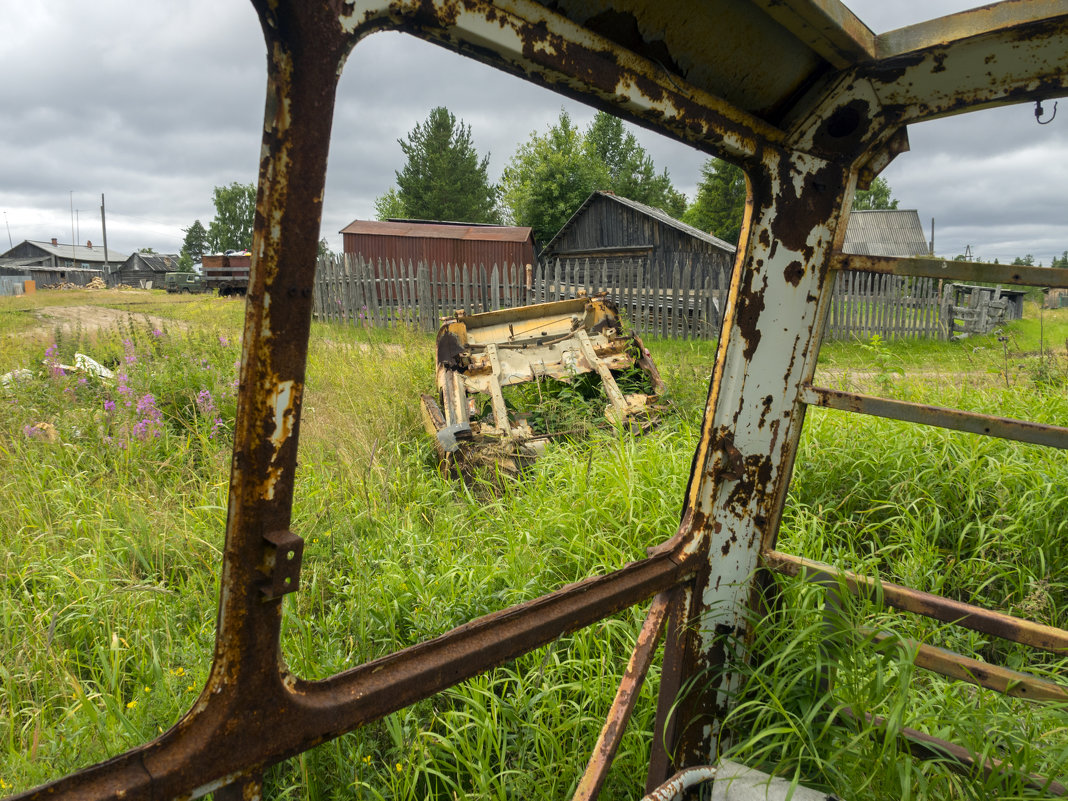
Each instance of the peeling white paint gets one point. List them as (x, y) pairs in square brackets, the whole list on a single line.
[(281, 399)]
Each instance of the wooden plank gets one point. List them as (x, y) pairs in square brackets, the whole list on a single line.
[(324, 307), (495, 288), (347, 303), (400, 276), (365, 273), (676, 326), (465, 292), (689, 307)]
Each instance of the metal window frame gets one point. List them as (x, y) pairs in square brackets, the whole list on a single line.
[(801, 174)]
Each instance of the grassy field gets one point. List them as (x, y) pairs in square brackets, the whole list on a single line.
[(113, 495)]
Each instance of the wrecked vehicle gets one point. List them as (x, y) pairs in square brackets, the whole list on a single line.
[(511, 380)]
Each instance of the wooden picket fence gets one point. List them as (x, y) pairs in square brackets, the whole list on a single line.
[(670, 301), (864, 305), (681, 300)]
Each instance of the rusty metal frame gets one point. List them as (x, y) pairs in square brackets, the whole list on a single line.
[(803, 153), (481, 354)]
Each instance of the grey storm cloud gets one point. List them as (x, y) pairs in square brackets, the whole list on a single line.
[(156, 103)]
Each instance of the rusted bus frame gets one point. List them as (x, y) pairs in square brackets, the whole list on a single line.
[(970, 271), (946, 610), (256, 725), (798, 200), (686, 779), (251, 711), (573, 61), (944, 662), (958, 758), (956, 666), (939, 416), (623, 704)]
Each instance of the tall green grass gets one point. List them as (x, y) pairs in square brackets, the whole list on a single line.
[(110, 553)]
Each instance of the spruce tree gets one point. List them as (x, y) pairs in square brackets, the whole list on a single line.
[(443, 177)]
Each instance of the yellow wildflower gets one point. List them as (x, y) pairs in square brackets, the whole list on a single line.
[(131, 704)]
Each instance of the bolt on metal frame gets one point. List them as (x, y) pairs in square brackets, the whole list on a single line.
[(804, 146)]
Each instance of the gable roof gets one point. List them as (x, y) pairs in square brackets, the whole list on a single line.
[(885, 232), (649, 211), (439, 230), (152, 262), (79, 253)]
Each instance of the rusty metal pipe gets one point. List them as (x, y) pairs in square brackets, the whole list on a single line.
[(946, 610), (968, 271), (940, 416), (623, 704)]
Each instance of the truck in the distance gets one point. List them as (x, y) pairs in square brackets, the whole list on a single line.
[(227, 272)]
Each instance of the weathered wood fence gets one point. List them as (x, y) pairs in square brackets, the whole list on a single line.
[(671, 301), (864, 305), (682, 300)]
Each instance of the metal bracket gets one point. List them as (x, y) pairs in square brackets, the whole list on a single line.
[(285, 550)]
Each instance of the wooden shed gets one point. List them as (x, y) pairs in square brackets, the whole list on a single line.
[(143, 270), (622, 233)]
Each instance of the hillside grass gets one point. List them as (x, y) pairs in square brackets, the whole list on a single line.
[(113, 520)]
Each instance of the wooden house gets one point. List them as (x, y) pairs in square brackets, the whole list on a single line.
[(48, 263), (143, 270)]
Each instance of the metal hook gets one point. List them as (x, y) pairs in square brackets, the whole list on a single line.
[(1039, 112)]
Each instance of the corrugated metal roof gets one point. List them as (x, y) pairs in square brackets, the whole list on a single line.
[(885, 232), (154, 262), (438, 230), (650, 211), (81, 252)]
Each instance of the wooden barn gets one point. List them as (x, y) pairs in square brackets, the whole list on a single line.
[(622, 233), (143, 270)]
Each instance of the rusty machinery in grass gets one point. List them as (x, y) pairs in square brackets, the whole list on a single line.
[(812, 104), (482, 355)]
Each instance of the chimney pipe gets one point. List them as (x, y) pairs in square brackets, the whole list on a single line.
[(54, 242)]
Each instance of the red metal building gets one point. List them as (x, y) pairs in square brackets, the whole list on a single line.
[(440, 242)]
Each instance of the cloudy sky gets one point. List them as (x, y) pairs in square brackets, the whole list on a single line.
[(154, 106)]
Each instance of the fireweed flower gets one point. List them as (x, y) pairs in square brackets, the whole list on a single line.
[(151, 422), (157, 333), (52, 361), (205, 403), (109, 406), (131, 356)]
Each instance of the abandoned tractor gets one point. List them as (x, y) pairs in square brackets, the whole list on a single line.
[(511, 380)]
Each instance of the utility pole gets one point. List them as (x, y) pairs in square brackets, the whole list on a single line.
[(104, 230), (73, 239), (930, 248), (10, 244)]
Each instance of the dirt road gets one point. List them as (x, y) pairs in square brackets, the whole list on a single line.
[(91, 319)]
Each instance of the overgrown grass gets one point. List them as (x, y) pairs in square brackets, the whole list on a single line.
[(110, 552)]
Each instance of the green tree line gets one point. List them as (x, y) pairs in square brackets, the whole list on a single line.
[(544, 183)]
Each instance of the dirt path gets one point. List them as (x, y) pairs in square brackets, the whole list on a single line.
[(91, 319)]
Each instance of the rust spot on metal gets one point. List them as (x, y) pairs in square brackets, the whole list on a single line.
[(794, 272)]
